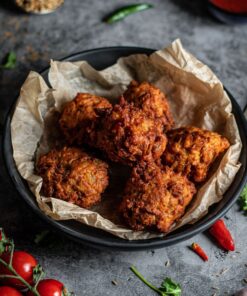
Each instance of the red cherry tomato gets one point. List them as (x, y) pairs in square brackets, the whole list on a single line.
[(8, 291), (23, 263), (49, 287)]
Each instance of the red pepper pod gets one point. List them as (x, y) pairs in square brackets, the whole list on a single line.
[(199, 251), (222, 235)]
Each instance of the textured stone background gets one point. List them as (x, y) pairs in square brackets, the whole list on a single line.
[(75, 27)]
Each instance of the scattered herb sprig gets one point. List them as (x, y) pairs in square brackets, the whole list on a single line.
[(243, 199), (168, 286), (10, 61)]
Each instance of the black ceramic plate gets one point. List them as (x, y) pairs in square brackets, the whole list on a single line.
[(100, 59)]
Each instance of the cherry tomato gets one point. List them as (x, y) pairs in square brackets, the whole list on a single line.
[(8, 291), (49, 287), (23, 263)]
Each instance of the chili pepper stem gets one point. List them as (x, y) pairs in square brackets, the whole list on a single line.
[(12, 270), (140, 276)]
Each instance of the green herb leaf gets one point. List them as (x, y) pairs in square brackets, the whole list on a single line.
[(243, 199), (10, 61), (169, 287)]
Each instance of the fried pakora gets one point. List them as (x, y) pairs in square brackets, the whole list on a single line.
[(72, 175), (154, 198), (128, 135), (80, 117), (191, 151), (151, 100)]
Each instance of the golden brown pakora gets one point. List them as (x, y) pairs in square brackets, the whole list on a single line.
[(72, 175), (128, 135), (151, 100), (80, 117), (191, 151), (154, 198)]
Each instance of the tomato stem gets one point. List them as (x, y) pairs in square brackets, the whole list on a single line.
[(6, 276), (12, 247), (38, 279), (17, 276)]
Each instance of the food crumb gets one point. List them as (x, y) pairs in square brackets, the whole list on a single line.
[(115, 283), (167, 263), (220, 254), (8, 34), (222, 271)]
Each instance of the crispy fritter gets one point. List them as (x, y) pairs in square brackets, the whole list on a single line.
[(80, 117), (191, 151), (151, 100), (128, 135), (72, 175), (154, 198)]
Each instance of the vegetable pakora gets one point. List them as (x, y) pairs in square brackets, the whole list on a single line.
[(191, 151), (128, 135), (151, 100), (154, 198), (72, 175), (80, 117)]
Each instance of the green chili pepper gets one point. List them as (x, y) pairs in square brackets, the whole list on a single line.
[(121, 13)]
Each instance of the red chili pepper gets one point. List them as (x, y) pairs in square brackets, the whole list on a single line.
[(222, 235), (233, 6), (199, 251)]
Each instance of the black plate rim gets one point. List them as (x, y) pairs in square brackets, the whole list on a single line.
[(121, 244)]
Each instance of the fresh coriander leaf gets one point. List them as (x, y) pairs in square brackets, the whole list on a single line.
[(10, 61), (169, 287), (243, 199)]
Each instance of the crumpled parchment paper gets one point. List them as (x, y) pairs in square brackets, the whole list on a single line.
[(196, 97)]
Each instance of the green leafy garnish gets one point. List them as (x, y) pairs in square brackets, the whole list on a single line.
[(167, 288), (10, 61), (243, 199)]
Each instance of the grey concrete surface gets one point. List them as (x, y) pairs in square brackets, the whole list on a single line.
[(77, 26)]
